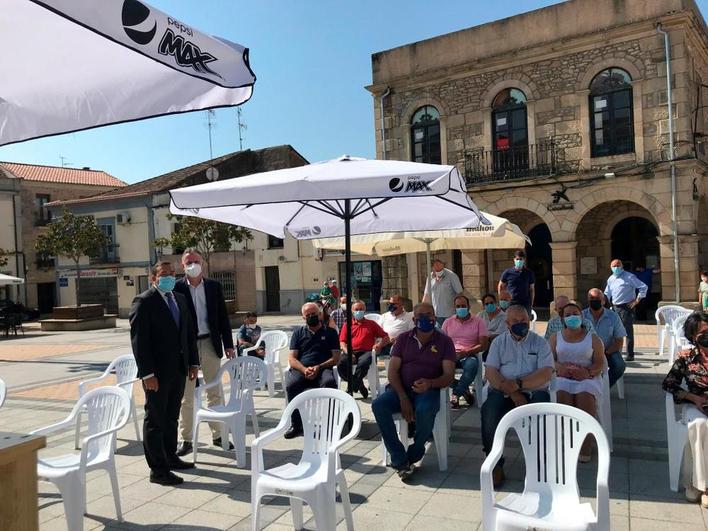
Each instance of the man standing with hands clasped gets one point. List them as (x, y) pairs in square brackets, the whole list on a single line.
[(207, 307), (165, 349)]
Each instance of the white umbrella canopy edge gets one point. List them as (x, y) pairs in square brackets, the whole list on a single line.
[(110, 62), (9, 280)]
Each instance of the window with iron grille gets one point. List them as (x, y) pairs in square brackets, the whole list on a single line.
[(611, 116), (228, 283)]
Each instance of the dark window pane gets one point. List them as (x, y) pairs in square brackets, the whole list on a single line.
[(599, 137), (418, 150), (620, 99)]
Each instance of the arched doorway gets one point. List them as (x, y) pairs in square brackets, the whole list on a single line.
[(539, 257), (634, 241), (624, 230)]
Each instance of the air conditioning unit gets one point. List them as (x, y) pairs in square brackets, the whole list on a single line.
[(281, 259), (123, 218)]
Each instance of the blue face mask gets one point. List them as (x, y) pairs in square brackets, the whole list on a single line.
[(573, 321), (166, 284), (617, 270), (503, 304), (359, 314), (518, 264), (425, 324), (490, 307), (392, 307), (520, 329), (462, 312)]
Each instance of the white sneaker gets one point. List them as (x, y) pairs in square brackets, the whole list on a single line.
[(694, 495)]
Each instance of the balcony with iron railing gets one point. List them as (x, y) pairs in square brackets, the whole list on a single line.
[(513, 163)]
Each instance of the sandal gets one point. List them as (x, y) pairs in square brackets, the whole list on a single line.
[(454, 401)]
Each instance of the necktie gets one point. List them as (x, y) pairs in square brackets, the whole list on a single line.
[(173, 307)]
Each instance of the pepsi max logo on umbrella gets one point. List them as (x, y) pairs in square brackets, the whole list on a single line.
[(414, 184), (395, 184), (305, 233), (135, 14), (185, 52)]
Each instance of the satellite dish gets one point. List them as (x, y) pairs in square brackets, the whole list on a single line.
[(212, 173)]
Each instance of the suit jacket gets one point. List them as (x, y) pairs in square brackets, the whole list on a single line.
[(217, 316), (159, 347)]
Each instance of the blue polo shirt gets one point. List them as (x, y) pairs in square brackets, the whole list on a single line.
[(608, 327), (314, 348), (518, 283)]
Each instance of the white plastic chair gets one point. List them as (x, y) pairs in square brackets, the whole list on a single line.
[(246, 373), (126, 373), (441, 430), (376, 317), (3, 392), (274, 342), (534, 318), (678, 339), (315, 478), (551, 436), (677, 437), (108, 410), (665, 316)]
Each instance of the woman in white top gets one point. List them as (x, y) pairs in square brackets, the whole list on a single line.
[(580, 359)]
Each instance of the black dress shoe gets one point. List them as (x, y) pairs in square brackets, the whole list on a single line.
[(178, 464), (184, 448), (167, 479), (293, 432), (364, 391), (630, 357), (217, 442)]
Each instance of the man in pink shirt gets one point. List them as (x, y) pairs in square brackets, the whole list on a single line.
[(469, 334)]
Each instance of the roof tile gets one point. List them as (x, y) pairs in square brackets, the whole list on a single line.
[(56, 174)]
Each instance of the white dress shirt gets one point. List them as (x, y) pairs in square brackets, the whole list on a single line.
[(200, 306), (395, 325)]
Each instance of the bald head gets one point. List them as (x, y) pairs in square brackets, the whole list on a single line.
[(595, 293), (516, 314), (424, 308)]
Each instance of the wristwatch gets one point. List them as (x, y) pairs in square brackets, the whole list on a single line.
[(520, 383)]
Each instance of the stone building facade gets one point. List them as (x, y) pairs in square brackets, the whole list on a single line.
[(558, 119)]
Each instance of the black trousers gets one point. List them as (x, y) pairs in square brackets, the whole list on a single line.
[(363, 362), (161, 420), (297, 383)]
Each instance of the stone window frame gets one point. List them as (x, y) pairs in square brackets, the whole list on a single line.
[(492, 92), (582, 88), (407, 127), (425, 141)]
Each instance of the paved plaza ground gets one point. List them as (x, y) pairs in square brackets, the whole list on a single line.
[(43, 371)]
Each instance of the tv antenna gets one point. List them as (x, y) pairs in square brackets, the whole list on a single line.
[(241, 128)]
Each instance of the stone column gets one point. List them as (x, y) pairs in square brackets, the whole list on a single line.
[(474, 273), (688, 267), (565, 279), (395, 276)]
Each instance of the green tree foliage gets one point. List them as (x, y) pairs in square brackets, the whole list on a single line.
[(3, 257), (204, 235), (72, 237)]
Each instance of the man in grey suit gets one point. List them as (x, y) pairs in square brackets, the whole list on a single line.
[(165, 349)]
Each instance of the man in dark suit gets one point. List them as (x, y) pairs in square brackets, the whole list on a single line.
[(205, 299), (165, 349)]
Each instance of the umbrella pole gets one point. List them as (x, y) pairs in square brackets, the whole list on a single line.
[(427, 256), (348, 273)]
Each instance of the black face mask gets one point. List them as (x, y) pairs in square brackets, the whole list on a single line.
[(313, 320), (702, 340), (595, 304)]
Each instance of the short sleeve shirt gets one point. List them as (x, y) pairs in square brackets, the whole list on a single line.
[(517, 359), (314, 348), (518, 283), (465, 333), (442, 292), (608, 327), (496, 325), (364, 334), (395, 325), (422, 361)]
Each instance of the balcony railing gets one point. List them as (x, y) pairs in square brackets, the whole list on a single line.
[(513, 163), (108, 254)]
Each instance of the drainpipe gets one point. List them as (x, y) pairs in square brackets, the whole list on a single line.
[(383, 128), (672, 164)]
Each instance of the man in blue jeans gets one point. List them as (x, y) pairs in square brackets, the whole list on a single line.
[(519, 367), (609, 328), (422, 363)]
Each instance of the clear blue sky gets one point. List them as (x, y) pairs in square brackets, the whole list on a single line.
[(312, 59)]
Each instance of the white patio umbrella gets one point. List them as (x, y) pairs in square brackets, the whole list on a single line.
[(499, 234), (341, 197), (69, 65), (8, 280)]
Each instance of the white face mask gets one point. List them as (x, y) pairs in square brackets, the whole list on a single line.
[(193, 270), (343, 307)]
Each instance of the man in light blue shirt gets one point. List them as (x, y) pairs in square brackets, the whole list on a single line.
[(610, 330), (624, 290)]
